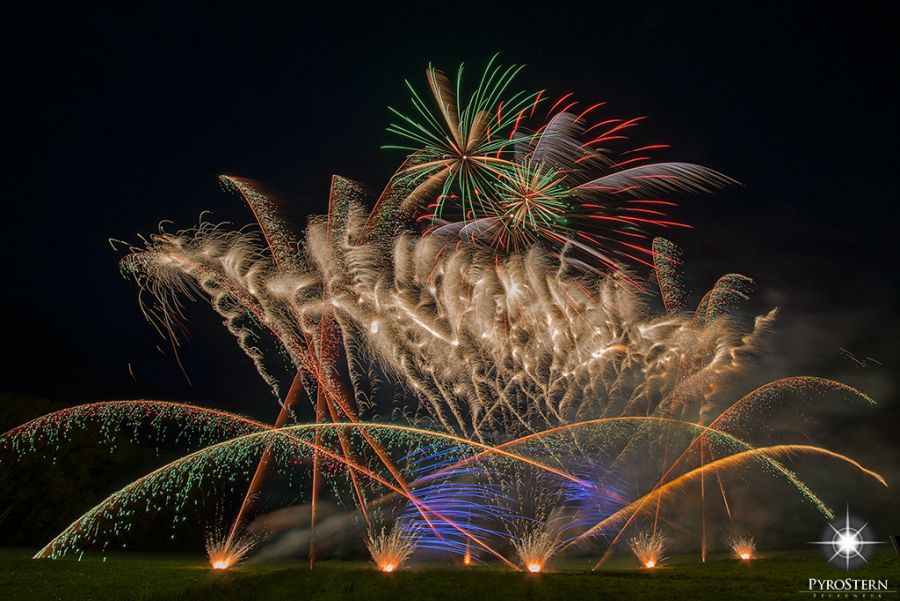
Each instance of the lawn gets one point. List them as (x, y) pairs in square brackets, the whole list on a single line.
[(146, 577)]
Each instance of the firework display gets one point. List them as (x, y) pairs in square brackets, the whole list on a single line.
[(480, 351)]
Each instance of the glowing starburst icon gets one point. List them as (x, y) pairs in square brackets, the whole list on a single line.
[(845, 544)]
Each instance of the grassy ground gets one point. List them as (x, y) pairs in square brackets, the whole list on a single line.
[(177, 577)]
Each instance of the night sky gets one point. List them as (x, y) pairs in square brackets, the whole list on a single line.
[(124, 119)]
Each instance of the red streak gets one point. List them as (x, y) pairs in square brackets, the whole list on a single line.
[(588, 110), (559, 102)]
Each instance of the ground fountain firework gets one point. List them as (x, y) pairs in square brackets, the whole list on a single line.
[(224, 551), (744, 547), (648, 547), (536, 545), (492, 301), (390, 549)]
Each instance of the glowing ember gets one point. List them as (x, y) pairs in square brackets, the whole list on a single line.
[(534, 567), (388, 567), (650, 564), (467, 560), (220, 564), (745, 556)]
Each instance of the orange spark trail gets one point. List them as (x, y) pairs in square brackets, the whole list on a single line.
[(670, 487), (291, 398)]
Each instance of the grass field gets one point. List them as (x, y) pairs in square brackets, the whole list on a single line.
[(146, 577)]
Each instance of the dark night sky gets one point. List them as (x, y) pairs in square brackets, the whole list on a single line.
[(124, 119)]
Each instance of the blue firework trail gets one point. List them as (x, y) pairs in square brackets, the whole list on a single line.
[(459, 491), (469, 494), (591, 504)]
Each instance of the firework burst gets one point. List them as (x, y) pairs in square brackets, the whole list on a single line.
[(533, 203), (503, 173), (460, 145)]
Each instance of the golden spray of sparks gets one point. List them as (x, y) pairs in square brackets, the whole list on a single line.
[(648, 547), (519, 344), (537, 544), (390, 548), (224, 553), (744, 547)]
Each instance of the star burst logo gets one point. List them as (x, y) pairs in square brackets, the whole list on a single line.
[(846, 543)]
